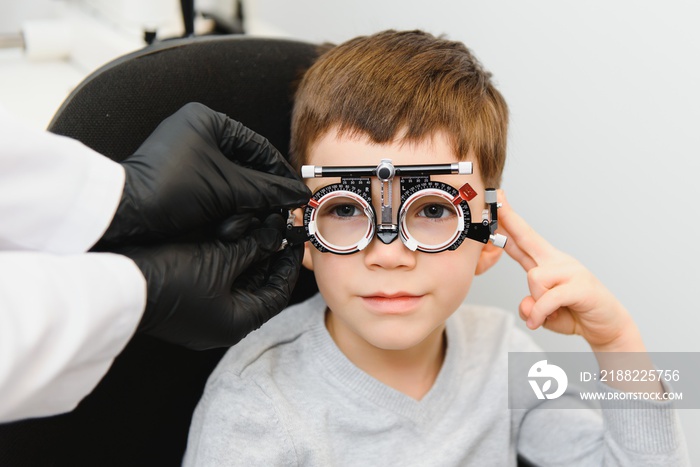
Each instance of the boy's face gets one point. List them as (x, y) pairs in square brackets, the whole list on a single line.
[(386, 295)]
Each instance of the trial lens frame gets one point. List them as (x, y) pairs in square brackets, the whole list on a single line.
[(413, 179)]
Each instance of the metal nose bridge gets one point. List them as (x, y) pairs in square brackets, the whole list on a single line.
[(387, 236), (386, 230)]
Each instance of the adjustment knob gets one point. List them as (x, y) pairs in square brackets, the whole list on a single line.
[(385, 170), (498, 240), (490, 196)]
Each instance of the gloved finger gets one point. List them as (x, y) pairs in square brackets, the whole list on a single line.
[(274, 221), (252, 278), (250, 149), (248, 308), (270, 233), (247, 251), (235, 226), (275, 293), (256, 275), (254, 225), (259, 191)]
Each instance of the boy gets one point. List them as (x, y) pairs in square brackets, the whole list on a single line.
[(386, 366)]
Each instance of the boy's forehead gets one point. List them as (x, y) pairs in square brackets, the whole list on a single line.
[(336, 149), (357, 148)]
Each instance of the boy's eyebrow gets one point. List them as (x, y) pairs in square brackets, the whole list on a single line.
[(324, 182)]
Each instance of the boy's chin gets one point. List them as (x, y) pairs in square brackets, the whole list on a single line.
[(398, 341)]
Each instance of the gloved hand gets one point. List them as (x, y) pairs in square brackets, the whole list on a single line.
[(212, 294), (198, 168)]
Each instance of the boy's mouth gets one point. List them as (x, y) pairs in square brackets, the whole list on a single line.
[(392, 303)]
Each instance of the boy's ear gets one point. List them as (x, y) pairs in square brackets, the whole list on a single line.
[(490, 255), (306, 261)]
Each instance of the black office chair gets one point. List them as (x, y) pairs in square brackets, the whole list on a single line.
[(140, 412)]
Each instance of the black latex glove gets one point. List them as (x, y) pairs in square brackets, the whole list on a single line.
[(212, 294), (182, 177)]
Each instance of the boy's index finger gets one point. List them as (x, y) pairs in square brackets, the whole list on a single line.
[(525, 238), (518, 255)]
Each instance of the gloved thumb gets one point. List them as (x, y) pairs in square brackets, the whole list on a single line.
[(270, 234), (235, 226), (257, 246)]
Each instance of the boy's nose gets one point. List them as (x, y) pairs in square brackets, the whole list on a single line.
[(389, 255)]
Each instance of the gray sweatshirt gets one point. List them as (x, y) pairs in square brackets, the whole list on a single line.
[(286, 395)]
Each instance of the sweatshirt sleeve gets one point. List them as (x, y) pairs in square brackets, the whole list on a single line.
[(56, 194), (236, 423), (619, 436), (63, 319), (620, 433)]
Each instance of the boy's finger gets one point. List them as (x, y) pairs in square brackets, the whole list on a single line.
[(514, 251), (512, 248), (551, 301), (527, 240), (525, 307), (543, 278), (561, 321)]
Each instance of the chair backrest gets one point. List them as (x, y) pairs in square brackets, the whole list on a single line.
[(140, 412)]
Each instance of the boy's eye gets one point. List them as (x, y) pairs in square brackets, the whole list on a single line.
[(434, 211), (346, 210)]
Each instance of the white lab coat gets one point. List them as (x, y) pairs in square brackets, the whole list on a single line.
[(64, 314)]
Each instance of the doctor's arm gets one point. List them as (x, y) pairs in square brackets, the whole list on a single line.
[(63, 320), (65, 314), (56, 194)]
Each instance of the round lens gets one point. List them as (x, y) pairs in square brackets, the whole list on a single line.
[(343, 222), (430, 221)]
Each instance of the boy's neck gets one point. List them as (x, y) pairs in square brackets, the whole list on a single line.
[(412, 371)]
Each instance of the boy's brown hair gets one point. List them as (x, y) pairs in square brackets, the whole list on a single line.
[(409, 82)]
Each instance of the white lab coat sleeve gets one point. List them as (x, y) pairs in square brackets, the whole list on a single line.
[(56, 194), (63, 319), (64, 314)]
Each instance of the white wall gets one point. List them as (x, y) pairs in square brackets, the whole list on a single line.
[(604, 149), (15, 12)]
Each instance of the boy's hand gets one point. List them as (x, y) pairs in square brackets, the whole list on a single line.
[(565, 297)]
